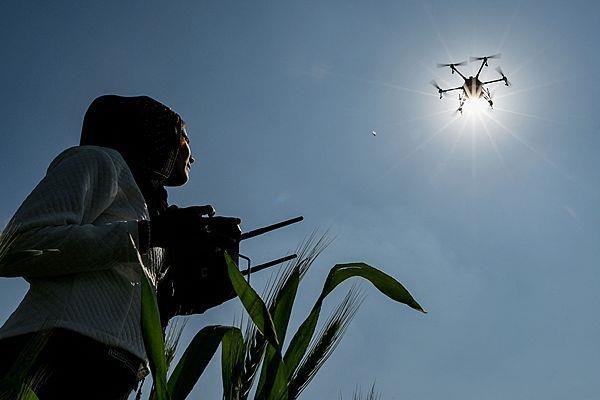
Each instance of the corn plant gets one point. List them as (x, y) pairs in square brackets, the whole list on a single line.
[(283, 374)]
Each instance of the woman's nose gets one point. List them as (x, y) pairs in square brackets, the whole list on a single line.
[(192, 159)]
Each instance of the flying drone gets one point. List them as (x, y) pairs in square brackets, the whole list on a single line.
[(473, 88)]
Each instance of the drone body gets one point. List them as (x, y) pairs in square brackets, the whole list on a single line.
[(472, 88)]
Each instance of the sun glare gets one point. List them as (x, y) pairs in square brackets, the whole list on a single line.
[(475, 107)]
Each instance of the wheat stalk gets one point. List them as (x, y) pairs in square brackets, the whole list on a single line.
[(370, 395), (255, 343), (255, 346), (327, 340), (172, 338)]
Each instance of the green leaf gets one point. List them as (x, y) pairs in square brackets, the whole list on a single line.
[(153, 338), (279, 390), (272, 377), (284, 303), (28, 394), (195, 359), (382, 281), (232, 363), (273, 382), (253, 304), (18, 392), (339, 273), (21, 379)]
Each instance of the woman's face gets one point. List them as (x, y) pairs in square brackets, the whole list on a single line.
[(183, 163)]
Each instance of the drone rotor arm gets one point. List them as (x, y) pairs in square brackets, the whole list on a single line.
[(449, 90), (483, 64), (457, 71), (493, 81), (503, 79)]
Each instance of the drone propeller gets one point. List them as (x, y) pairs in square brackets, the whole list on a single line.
[(499, 70), (435, 85), (472, 59), (452, 65)]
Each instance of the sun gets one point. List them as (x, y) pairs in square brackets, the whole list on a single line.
[(475, 107)]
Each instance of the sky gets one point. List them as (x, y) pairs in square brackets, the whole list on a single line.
[(490, 219)]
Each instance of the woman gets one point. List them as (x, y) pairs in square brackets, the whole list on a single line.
[(103, 206)]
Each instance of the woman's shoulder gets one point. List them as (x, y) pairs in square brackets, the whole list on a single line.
[(90, 156)]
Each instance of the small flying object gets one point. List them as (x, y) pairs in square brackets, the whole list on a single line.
[(472, 88), (373, 133)]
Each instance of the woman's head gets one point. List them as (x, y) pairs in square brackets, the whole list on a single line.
[(150, 136), (181, 169)]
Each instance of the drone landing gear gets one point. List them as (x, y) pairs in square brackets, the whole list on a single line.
[(461, 99)]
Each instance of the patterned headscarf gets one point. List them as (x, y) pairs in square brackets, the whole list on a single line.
[(146, 133)]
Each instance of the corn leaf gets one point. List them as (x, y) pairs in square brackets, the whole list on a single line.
[(282, 308), (153, 339), (20, 381), (256, 308), (338, 274), (232, 359), (195, 359), (22, 392), (28, 394), (272, 377)]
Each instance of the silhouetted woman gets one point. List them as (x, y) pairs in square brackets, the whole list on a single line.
[(103, 205)]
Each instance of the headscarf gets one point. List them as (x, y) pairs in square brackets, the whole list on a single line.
[(146, 133)]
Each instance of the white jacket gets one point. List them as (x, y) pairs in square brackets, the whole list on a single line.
[(87, 206)]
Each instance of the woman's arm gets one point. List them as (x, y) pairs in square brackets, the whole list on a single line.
[(61, 212)]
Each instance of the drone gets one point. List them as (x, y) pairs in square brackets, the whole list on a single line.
[(473, 88)]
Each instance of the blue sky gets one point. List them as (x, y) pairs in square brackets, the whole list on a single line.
[(491, 221)]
